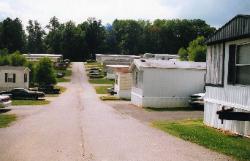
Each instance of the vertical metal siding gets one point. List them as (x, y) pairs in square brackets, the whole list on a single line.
[(211, 119)]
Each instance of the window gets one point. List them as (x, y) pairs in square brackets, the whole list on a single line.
[(116, 79), (10, 78), (25, 78), (239, 64), (138, 78)]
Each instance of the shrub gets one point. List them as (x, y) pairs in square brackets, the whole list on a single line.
[(45, 73)]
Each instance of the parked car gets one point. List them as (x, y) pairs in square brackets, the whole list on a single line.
[(49, 89), (22, 93), (61, 65), (60, 74), (95, 75), (197, 100), (5, 101)]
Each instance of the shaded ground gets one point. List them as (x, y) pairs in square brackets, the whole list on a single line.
[(125, 107)]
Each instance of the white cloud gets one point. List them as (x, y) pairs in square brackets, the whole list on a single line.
[(80, 10), (213, 11)]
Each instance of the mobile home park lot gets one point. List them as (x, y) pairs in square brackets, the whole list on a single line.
[(78, 126)]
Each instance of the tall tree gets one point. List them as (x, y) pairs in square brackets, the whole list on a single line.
[(35, 37), (94, 36), (54, 37), (12, 35)]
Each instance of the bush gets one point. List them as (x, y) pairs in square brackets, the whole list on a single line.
[(5, 60), (183, 54), (197, 50), (45, 73), (17, 59)]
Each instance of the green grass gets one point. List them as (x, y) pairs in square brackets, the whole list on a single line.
[(101, 81), (109, 98), (29, 102), (5, 120), (195, 131), (63, 79), (101, 89), (151, 109), (93, 65)]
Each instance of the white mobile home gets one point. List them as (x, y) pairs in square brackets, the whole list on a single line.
[(123, 81), (227, 99), (106, 60), (14, 77), (37, 57), (160, 56), (112, 59), (161, 83)]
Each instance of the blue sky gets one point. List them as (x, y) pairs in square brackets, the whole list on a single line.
[(215, 12)]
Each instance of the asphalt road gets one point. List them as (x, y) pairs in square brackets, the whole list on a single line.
[(77, 126)]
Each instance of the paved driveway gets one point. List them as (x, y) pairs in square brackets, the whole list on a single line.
[(78, 126)]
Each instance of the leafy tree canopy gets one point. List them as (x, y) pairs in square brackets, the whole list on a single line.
[(45, 73)]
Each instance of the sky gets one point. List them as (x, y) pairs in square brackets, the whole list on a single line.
[(214, 12)]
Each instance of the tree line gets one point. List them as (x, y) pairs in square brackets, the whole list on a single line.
[(82, 41)]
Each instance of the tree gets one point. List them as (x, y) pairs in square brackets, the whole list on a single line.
[(183, 54), (54, 37), (72, 41), (12, 35), (45, 73), (94, 36), (5, 60), (35, 37), (197, 50), (17, 59)]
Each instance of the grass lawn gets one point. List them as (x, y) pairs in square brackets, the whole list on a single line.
[(101, 81), (109, 98), (195, 131), (29, 102), (101, 89), (5, 120), (151, 109), (93, 64), (63, 79)]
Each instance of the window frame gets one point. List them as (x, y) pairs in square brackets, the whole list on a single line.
[(9, 79), (236, 65)]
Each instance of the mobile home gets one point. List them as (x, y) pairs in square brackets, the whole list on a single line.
[(123, 81), (161, 83), (37, 57), (14, 77), (227, 99)]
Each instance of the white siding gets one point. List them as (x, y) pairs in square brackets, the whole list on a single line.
[(211, 119), (168, 87), (236, 96), (19, 79), (136, 98), (123, 86)]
